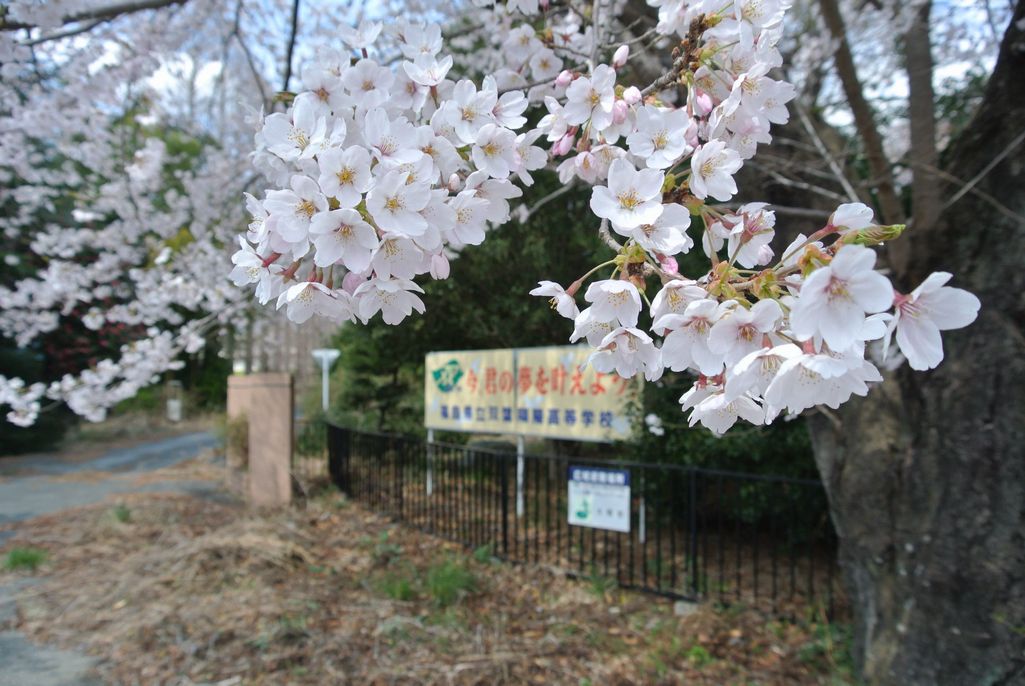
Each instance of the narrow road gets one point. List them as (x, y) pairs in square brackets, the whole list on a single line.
[(33, 486)]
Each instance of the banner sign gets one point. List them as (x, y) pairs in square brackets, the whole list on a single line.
[(547, 392), (599, 498)]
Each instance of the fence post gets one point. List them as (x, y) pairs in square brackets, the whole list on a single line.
[(692, 526), (504, 487), (519, 476), (642, 534), (430, 461)]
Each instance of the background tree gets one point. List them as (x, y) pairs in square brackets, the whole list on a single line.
[(927, 478)]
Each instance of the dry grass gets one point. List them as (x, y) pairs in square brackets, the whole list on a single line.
[(189, 591)]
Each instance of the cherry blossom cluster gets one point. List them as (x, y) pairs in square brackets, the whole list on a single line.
[(774, 341), (103, 225), (761, 340), (380, 174), (110, 381), (763, 336)]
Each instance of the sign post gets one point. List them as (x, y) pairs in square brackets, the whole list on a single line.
[(519, 475), (430, 461), (326, 356)]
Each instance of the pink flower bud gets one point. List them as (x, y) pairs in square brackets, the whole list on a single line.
[(545, 4), (439, 266), (632, 95), (564, 78), (454, 182), (668, 264), (620, 56), (351, 281), (703, 104), (619, 111), (691, 135), (563, 145)]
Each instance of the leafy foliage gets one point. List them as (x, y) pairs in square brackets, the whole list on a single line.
[(24, 558)]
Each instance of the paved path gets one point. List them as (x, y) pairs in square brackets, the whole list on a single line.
[(28, 489)]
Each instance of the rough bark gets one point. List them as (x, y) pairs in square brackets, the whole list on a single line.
[(926, 477)]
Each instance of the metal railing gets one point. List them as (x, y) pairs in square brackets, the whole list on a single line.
[(694, 533)]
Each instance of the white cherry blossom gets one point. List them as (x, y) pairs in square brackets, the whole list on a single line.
[(835, 298), (712, 168), (631, 198), (921, 315), (614, 300), (561, 301), (343, 236)]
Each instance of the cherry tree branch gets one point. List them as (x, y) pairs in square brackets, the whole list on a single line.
[(67, 33), (820, 147), (667, 79), (291, 45), (561, 190), (606, 236), (923, 154), (236, 32), (864, 120), (794, 183), (970, 185), (101, 14)]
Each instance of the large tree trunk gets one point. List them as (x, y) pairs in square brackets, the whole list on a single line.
[(926, 477)]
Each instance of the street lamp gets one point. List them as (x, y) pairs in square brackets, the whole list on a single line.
[(325, 356)]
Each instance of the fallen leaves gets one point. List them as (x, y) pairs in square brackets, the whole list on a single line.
[(192, 591)]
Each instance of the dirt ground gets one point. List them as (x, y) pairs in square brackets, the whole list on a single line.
[(176, 589)]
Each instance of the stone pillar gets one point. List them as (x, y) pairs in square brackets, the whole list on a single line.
[(236, 454), (266, 399)]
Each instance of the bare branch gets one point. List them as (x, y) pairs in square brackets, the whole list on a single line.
[(820, 146), (879, 166), (970, 186), (923, 154), (67, 33), (794, 183), (237, 33), (803, 212), (102, 13), (606, 236), (596, 38), (291, 45), (561, 190), (667, 79)]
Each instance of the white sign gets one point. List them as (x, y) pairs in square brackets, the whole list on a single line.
[(599, 498)]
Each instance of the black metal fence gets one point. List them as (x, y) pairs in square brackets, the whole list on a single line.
[(693, 533)]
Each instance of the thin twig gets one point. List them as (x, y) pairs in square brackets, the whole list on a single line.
[(606, 236), (803, 185), (820, 146), (67, 33), (561, 190), (667, 79), (291, 45), (968, 187), (102, 13)]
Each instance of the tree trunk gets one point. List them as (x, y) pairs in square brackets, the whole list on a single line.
[(926, 476)]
